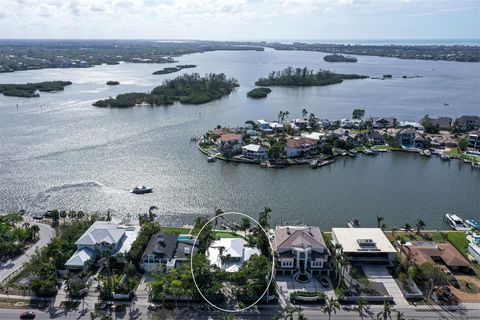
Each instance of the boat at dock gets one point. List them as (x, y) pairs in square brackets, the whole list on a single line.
[(475, 165), (325, 162), (369, 152), (141, 190), (211, 159), (354, 223), (472, 224), (314, 164), (445, 157), (456, 222)]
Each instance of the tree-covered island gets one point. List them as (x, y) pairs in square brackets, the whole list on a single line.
[(258, 93), (174, 69), (339, 58), (305, 77), (187, 88), (113, 83), (29, 90)]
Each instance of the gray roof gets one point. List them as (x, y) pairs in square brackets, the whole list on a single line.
[(294, 236), (79, 258), (375, 135), (389, 119), (101, 231), (167, 245)]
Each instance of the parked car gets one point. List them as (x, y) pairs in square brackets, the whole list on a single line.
[(27, 315), (38, 217), (454, 282), (324, 282)]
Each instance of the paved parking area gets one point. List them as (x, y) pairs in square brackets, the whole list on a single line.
[(381, 274), (286, 285)]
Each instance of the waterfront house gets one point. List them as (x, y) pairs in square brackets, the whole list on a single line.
[(277, 127), (364, 245), (255, 152), (468, 123), (165, 251), (301, 124), (383, 122), (319, 136), (264, 125), (229, 143), (443, 254), (419, 141), (376, 138), (230, 254), (300, 249), (442, 123), (474, 249), (473, 141), (301, 147), (406, 137), (100, 239)]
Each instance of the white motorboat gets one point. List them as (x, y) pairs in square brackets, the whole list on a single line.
[(456, 222), (211, 159), (141, 190)]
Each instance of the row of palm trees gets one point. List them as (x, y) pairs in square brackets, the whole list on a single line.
[(419, 226)]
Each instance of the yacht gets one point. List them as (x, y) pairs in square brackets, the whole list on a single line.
[(427, 153), (456, 222), (445, 157), (354, 224), (141, 190), (314, 164)]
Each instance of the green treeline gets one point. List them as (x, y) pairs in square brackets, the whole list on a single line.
[(259, 92), (174, 69), (304, 77), (187, 88), (112, 83), (29, 90), (339, 58)]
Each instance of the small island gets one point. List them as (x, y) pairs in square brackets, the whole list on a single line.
[(187, 89), (258, 93), (113, 83), (174, 69), (305, 77), (339, 58), (29, 90)]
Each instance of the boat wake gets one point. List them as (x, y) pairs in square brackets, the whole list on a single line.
[(43, 196)]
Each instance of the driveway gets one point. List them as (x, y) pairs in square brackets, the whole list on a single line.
[(381, 274), (286, 285), (45, 234)]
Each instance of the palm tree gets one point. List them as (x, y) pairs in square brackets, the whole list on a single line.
[(304, 113), (394, 230), (380, 219), (387, 311), (264, 216), (361, 304), (383, 227), (151, 214), (332, 305), (407, 227), (79, 215), (286, 114), (400, 315), (63, 215), (218, 212), (280, 116), (402, 242), (420, 225)]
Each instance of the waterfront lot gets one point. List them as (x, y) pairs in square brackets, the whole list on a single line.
[(286, 285)]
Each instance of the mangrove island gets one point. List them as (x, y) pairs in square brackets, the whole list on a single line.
[(187, 89), (339, 58), (113, 83), (305, 77), (29, 90), (258, 93), (174, 69)]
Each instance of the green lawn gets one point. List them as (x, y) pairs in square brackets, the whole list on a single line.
[(459, 241), (226, 234), (359, 148), (457, 154), (176, 230)]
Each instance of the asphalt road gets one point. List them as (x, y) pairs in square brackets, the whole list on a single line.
[(46, 234)]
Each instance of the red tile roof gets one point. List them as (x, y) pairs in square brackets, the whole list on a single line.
[(230, 136), (296, 143)]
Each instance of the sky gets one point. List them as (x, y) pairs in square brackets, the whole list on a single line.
[(240, 19)]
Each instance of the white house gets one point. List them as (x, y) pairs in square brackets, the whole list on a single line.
[(364, 245), (255, 152), (264, 125), (101, 238), (229, 254)]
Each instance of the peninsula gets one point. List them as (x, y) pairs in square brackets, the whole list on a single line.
[(188, 89), (305, 77), (29, 90)]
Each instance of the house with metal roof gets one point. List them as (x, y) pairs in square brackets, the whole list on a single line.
[(230, 254)]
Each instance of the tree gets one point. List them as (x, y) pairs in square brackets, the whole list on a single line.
[(407, 228), (245, 224), (304, 113), (428, 125), (433, 276), (361, 304), (331, 305), (35, 230), (312, 121), (420, 225), (218, 214), (462, 144), (394, 230), (280, 116), (63, 215), (387, 311), (151, 213), (400, 316), (264, 216), (80, 215), (358, 113), (380, 219)]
